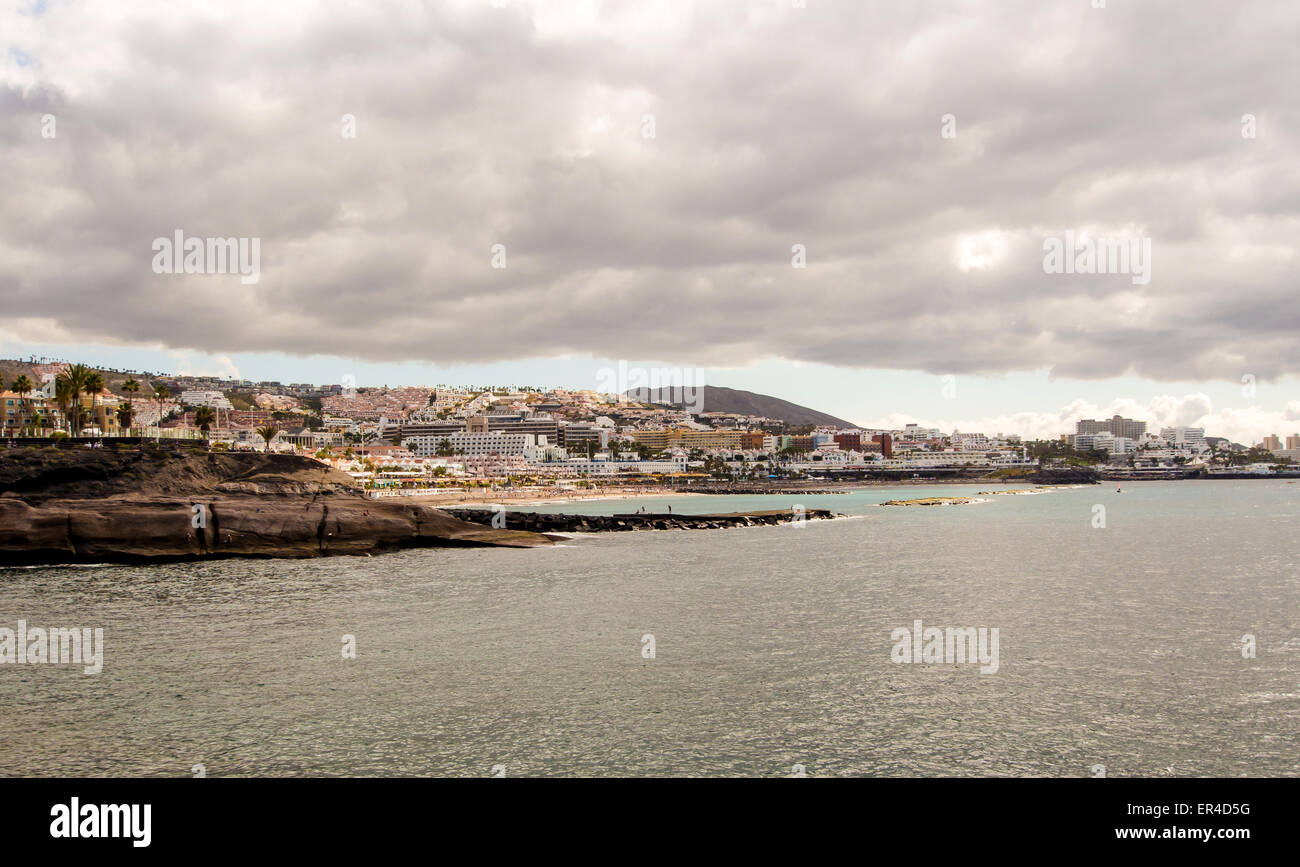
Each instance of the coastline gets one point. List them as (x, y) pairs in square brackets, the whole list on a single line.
[(485, 497), (458, 499), (154, 505)]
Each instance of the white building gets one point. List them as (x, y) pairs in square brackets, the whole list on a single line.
[(1123, 446), (927, 460), (1185, 437), (477, 444), (916, 432), (214, 399), (1103, 442), (589, 467), (971, 442)]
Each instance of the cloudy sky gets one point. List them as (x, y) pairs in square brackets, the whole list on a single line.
[(651, 171)]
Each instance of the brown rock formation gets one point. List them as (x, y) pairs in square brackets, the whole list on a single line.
[(157, 504)]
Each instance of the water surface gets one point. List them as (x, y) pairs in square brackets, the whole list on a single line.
[(1118, 647)]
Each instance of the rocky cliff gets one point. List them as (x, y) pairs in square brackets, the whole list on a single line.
[(69, 505)]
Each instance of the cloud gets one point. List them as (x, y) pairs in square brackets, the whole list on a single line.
[(773, 126), (185, 364)]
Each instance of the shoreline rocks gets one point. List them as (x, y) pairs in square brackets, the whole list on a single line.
[(130, 529), (551, 522)]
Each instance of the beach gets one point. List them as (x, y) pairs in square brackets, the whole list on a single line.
[(516, 497)]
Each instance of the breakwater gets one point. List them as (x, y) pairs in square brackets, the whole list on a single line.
[(546, 522)]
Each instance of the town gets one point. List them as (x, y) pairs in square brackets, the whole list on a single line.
[(410, 441)]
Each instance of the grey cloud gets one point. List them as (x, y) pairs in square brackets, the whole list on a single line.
[(775, 126)]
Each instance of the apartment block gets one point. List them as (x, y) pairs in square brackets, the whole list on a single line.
[(1116, 426)]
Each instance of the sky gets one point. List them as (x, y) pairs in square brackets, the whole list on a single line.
[(849, 205)]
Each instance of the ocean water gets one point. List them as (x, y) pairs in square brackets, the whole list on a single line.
[(1119, 647)]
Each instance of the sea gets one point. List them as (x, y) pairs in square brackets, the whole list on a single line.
[(1153, 632)]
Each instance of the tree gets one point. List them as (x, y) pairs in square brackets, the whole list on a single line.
[(131, 388), (204, 416), (1259, 455), (160, 394), (22, 387), (94, 385), (74, 381), (63, 398), (124, 413), (268, 433)]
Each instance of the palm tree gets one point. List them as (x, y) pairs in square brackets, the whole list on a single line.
[(268, 433), (75, 380), (124, 413), (93, 386), (131, 388), (63, 397), (204, 416), (23, 387), (160, 394)]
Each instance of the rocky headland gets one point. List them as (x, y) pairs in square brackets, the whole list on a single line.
[(164, 503)]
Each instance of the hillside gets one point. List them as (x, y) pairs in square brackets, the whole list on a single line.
[(10, 369), (720, 399)]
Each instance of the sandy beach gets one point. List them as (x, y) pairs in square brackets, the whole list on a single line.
[(551, 496)]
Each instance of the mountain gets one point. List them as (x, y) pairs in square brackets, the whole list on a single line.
[(1225, 444), (718, 399)]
